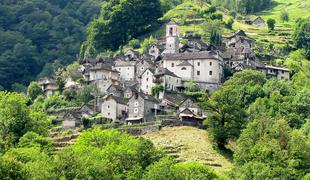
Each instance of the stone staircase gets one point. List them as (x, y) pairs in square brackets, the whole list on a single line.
[(62, 141)]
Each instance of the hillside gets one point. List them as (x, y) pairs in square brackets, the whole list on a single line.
[(270, 45), (37, 37), (189, 144)]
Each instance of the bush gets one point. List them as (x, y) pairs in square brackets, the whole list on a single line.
[(135, 43)]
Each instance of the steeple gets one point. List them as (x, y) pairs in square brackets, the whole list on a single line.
[(172, 38)]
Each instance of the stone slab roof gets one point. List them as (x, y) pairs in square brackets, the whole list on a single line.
[(191, 56)]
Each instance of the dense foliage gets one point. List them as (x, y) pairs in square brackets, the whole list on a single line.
[(120, 21), (244, 6), (301, 35), (34, 34)]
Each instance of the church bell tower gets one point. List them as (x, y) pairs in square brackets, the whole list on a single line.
[(172, 38)]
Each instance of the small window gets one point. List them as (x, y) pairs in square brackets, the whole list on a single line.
[(198, 63), (136, 103), (147, 73), (210, 63), (183, 68), (147, 79), (108, 107), (210, 73), (282, 72), (136, 110), (198, 73), (172, 64)]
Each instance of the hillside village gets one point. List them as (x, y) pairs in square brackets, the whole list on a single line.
[(138, 88)]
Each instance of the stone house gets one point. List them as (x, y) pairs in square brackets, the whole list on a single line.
[(131, 55), (156, 51), (130, 91), (127, 69), (171, 100), (49, 86), (147, 80), (115, 90), (71, 120), (277, 72), (102, 71), (144, 64), (167, 79), (188, 117), (142, 108), (115, 108), (258, 22), (191, 105), (240, 40)]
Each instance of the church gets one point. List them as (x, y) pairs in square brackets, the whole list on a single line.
[(204, 67)]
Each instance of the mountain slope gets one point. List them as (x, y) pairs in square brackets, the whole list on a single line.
[(189, 144)]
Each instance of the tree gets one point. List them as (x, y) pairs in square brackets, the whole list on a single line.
[(119, 21), (301, 36), (167, 168), (271, 24), (229, 23), (34, 90), (215, 38), (106, 154), (16, 119), (284, 16), (227, 106), (157, 89), (85, 94), (268, 149)]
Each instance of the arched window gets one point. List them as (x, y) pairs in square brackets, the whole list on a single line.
[(183, 68)]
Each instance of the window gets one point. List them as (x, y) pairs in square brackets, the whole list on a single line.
[(172, 64), (136, 110), (183, 68), (171, 31), (282, 72), (198, 73), (210, 73), (147, 79), (210, 63), (198, 63), (108, 107), (147, 73), (136, 103)]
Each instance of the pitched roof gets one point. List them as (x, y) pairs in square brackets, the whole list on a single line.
[(148, 97), (103, 66), (117, 87), (185, 63), (118, 100), (191, 56), (172, 22), (164, 71), (175, 98), (125, 63)]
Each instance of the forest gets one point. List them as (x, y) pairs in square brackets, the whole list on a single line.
[(260, 124)]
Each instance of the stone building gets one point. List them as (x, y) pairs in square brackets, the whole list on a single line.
[(147, 80), (142, 108), (115, 90), (258, 22), (167, 79), (276, 72), (115, 108), (127, 69), (172, 38), (205, 67), (49, 86), (103, 76), (144, 64)]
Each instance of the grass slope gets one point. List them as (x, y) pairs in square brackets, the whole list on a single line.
[(190, 144)]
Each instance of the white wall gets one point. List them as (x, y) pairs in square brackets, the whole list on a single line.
[(147, 82), (127, 73)]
